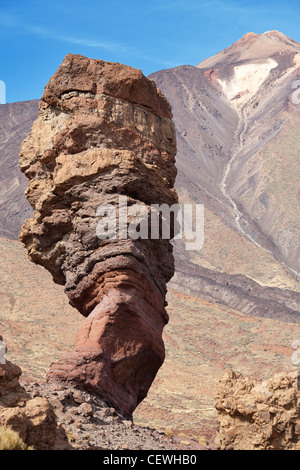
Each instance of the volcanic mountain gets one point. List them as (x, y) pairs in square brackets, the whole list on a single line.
[(238, 154), (235, 303)]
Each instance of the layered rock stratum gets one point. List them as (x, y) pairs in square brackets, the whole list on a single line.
[(103, 131)]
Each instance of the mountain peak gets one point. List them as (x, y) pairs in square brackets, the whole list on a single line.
[(273, 35), (272, 32), (254, 47), (248, 36)]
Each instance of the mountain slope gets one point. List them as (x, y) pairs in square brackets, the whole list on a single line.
[(15, 122), (234, 303), (256, 76), (238, 154)]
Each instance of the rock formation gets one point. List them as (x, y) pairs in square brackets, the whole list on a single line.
[(103, 131), (259, 415), (32, 418)]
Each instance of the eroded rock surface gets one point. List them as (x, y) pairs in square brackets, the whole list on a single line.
[(32, 418), (259, 415), (103, 131)]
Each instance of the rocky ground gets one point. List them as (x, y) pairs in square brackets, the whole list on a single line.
[(252, 415), (203, 340), (59, 416), (87, 422)]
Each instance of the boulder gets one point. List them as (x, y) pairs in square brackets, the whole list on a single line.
[(33, 419)]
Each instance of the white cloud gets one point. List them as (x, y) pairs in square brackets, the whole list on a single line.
[(13, 22), (72, 40)]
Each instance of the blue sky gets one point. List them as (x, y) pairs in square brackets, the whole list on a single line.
[(35, 35)]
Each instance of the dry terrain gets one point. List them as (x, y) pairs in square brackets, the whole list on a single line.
[(202, 340), (234, 304)]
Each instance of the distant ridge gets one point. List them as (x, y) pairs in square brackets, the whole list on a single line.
[(16, 120), (254, 46)]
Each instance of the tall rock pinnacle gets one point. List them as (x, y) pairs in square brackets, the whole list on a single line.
[(104, 134)]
